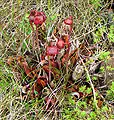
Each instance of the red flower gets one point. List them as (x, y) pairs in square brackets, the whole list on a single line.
[(41, 13), (52, 51), (60, 44), (69, 21), (40, 17), (32, 15), (31, 19)]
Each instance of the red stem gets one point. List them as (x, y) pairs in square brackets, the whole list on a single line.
[(37, 41)]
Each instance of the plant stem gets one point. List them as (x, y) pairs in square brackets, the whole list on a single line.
[(49, 68), (37, 41), (92, 86)]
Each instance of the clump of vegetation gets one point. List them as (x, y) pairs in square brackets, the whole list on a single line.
[(56, 64)]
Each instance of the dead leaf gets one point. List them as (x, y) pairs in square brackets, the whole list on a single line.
[(27, 69), (100, 102), (42, 81)]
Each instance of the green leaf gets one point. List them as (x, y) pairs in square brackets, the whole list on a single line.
[(89, 119), (93, 115), (71, 101), (111, 33), (26, 16), (104, 55), (104, 108), (96, 3), (83, 114), (82, 104), (112, 69), (94, 78), (53, 17), (112, 86), (89, 90), (111, 37), (35, 92), (82, 88), (112, 116), (102, 69), (96, 40)]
